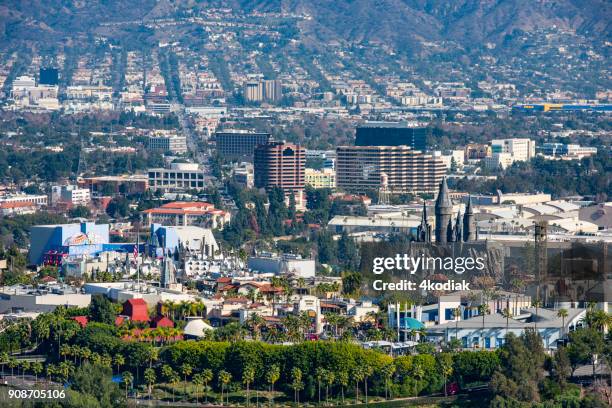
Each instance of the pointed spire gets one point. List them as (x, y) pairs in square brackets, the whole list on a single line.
[(443, 199), (458, 227), (468, 207)]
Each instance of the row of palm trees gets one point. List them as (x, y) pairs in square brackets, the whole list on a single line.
[(35, 367), (183, 309), (326, 379), (156, 336)]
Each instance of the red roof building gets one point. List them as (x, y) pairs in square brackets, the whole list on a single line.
[(136, 310), (161, 321), (188, 213), (82, 320)]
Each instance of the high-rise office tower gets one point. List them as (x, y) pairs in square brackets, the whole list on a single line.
[(239, 144), (391, 134), (280, 164), (359, 169)]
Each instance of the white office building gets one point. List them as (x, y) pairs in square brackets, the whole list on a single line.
[(179, 177)]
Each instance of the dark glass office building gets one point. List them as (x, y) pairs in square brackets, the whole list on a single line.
[(48, 76), (239, 144), (391, 134)]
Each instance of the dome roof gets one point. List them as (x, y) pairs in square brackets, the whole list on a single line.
[(196, 328)]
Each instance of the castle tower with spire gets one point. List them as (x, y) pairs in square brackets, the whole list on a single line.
[(469, 222), (424, 229), (444, 213), (459, 228)]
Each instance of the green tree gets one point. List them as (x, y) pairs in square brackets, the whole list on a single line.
[(248, 376), (102, 310), (127, 379), (224, 379), (96, 382), (198, 380), (186, 370), (150, 378), (207, 377), (445, 362), (296, 384), (272, 376)]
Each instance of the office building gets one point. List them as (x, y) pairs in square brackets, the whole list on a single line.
[(280, 164), (477, 151), (70, 194), (172, 143), (567, 151), (48, 76), (391, 134), (499, 161), (399, 169), (243, 175), (128, 184), (520, 149), (179, 177), (325, 178), (285, 264), (253, 91), (239, 144), (265, 89), (272, 90), (43, 299)]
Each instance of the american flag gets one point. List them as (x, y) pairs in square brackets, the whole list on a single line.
[(136, 251)]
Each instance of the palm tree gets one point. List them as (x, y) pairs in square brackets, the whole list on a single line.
[(562, 313), (150, 378), (186, 371), (37, 368), (358, 375), (25, 365), (446, 367), (198, 380), (174, 380), (207, 376), (457, 316), (119, 361), (342, 377), (255, 323), (127, 378), (169, 375), (367, 371), (224, 379), (12, 363), (507, 313), (320, 375), (417, 373), (4, 358), (387, 372), (296, 384), (483, 309), (248, 376), (272, 377), (536, 303), (329, 380)]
